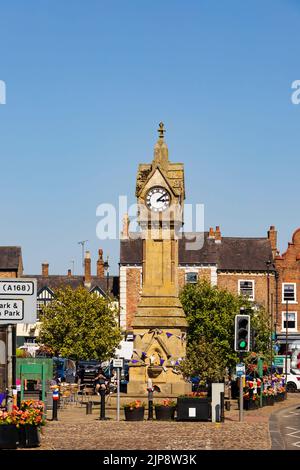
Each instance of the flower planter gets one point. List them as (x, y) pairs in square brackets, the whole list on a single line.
[(251, 404), (193, 409), (136, 414), (279, 397), (29, 436), (164, 413), (270, 400), (9, 438)]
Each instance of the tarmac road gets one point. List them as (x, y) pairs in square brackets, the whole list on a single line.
[(284, 428)]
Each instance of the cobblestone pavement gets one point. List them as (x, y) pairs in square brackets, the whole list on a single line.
[(75, 430)]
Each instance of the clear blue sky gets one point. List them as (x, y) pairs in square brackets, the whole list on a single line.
[(87, 84)]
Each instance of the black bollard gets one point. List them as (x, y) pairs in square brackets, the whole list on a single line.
[(89, 408), (54, 410), (222, 414), (150, 404), (227, 405), (102, 404)]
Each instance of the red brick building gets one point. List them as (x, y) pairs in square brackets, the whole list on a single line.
[(288, 269)]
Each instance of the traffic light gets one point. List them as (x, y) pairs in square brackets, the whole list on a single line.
[(242, 333)]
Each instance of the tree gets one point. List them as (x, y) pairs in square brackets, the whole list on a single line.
[(210, 314), (80, 325)]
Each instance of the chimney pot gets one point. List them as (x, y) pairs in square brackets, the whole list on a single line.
[(211, 233), (69, 273), (218, 234), (100, 264)]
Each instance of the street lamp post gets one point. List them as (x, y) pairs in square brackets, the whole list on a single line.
[(106, 267)]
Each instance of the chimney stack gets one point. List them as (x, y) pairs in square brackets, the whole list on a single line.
[(125, 231), (69, 273), (100, 265), (218, 236), (211, 234), (272, 236), (87, 270), (45, 269)]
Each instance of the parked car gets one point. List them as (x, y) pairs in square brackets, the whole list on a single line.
[(64, 369), (293, 382), (87, 371)]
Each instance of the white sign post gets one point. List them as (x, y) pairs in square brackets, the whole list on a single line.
[(17, 305), (240, 369), (118, 364), (18, 301)]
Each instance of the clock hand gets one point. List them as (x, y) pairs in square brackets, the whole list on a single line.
[(161, 198)]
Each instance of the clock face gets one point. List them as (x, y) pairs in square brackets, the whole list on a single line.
[(157, 199)]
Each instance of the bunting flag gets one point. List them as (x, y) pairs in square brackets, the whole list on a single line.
[(161, 361), (144, 354), (164, 368), (169, 334), (155, 330), (139, 334), (176, 363), (134, 361)]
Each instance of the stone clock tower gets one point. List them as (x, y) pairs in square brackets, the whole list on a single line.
[(159, 325)]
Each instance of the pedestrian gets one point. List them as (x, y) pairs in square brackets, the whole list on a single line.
[(100, 381)]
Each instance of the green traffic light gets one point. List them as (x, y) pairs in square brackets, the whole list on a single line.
[(242, 344)]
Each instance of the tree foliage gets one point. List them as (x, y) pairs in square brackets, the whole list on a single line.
[(80, 325), (211, 313)]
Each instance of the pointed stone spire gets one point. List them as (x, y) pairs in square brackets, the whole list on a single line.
[(161, 150)]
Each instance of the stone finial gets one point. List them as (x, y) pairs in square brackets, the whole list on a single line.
[(161, 158), (161, 130)]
